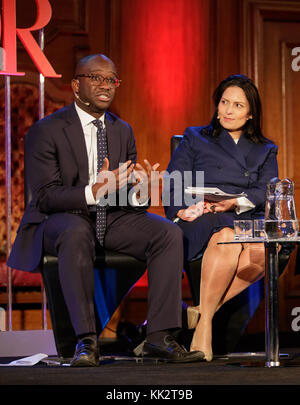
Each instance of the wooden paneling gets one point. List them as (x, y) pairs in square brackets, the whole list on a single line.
[(280, 87), (226, 25), (271, 29)]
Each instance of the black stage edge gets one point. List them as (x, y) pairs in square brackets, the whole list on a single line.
[(140, 393), (123, 378)]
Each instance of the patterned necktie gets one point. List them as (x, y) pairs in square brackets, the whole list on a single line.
[(101, 154)]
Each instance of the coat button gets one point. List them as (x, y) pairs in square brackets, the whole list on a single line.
[(246, 174)]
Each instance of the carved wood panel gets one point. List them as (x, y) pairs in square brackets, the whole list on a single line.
[(271, 31)]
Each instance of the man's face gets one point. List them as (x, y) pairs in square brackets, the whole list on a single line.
[(90, 90)]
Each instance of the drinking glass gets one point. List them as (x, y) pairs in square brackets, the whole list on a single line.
[(259, 228), (243, 229)]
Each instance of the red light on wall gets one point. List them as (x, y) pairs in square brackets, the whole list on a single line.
[(168, 50)]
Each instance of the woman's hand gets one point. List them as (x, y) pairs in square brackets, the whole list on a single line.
[(204, 207), (191, 213), (220, 206)]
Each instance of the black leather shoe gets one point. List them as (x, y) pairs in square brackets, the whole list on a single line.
[(86, 353), (171, 351)]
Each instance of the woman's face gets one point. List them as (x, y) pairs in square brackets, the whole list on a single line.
[(233, 110)]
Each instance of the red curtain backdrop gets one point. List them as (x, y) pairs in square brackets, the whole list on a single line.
[(163, 54)]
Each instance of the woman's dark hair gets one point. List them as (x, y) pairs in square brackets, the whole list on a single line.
[(252, 128)]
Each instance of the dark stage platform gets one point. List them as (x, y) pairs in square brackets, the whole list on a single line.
[(121, 374)]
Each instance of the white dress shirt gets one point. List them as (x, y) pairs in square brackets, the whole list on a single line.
[(90, 137)]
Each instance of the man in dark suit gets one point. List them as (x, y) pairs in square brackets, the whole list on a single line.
[(66, 217)]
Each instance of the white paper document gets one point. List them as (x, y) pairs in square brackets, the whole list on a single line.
[(27, 361), (212, 193)]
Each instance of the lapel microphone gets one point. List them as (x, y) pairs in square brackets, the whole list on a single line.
[(83, 102)]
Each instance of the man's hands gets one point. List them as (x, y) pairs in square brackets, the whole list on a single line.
[(145, 179), (109, 181)]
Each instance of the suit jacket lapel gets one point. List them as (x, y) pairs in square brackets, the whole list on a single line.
[(226, 142), (113, 141), (245, 145), (75, 136)]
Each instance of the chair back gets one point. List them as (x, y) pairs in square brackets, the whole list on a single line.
[(175, 141)]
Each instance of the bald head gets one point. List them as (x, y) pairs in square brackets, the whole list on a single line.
[(86, 64)]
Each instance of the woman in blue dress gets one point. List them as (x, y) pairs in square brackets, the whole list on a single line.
[(236, 158)]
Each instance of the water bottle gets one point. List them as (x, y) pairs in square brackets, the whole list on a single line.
[(270, 208), (280, 213)]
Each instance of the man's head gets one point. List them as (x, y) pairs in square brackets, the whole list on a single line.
[(95, 84)]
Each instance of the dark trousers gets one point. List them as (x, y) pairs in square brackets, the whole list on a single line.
[(140, 234)]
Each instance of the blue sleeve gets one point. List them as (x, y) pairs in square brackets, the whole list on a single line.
[(257, 192)]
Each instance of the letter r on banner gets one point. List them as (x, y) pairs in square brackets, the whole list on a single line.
[(10, 33)]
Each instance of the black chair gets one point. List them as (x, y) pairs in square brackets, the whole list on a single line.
[(115, 274), (232, 318), (193, 268)]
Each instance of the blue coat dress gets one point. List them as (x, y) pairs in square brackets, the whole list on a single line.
[(234, 168)]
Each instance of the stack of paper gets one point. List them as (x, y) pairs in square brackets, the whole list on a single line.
[(212, 193)]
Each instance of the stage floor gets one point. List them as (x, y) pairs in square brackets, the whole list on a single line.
[(118, 374)]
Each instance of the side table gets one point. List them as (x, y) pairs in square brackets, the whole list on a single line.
[(271, 294)]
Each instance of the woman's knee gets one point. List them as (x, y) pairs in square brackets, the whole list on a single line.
[(224, 235)]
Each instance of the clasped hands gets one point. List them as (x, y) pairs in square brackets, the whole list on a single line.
[(203, 207), (110, 181)]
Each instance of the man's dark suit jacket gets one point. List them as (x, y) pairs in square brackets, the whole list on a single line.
[(56, 165)]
